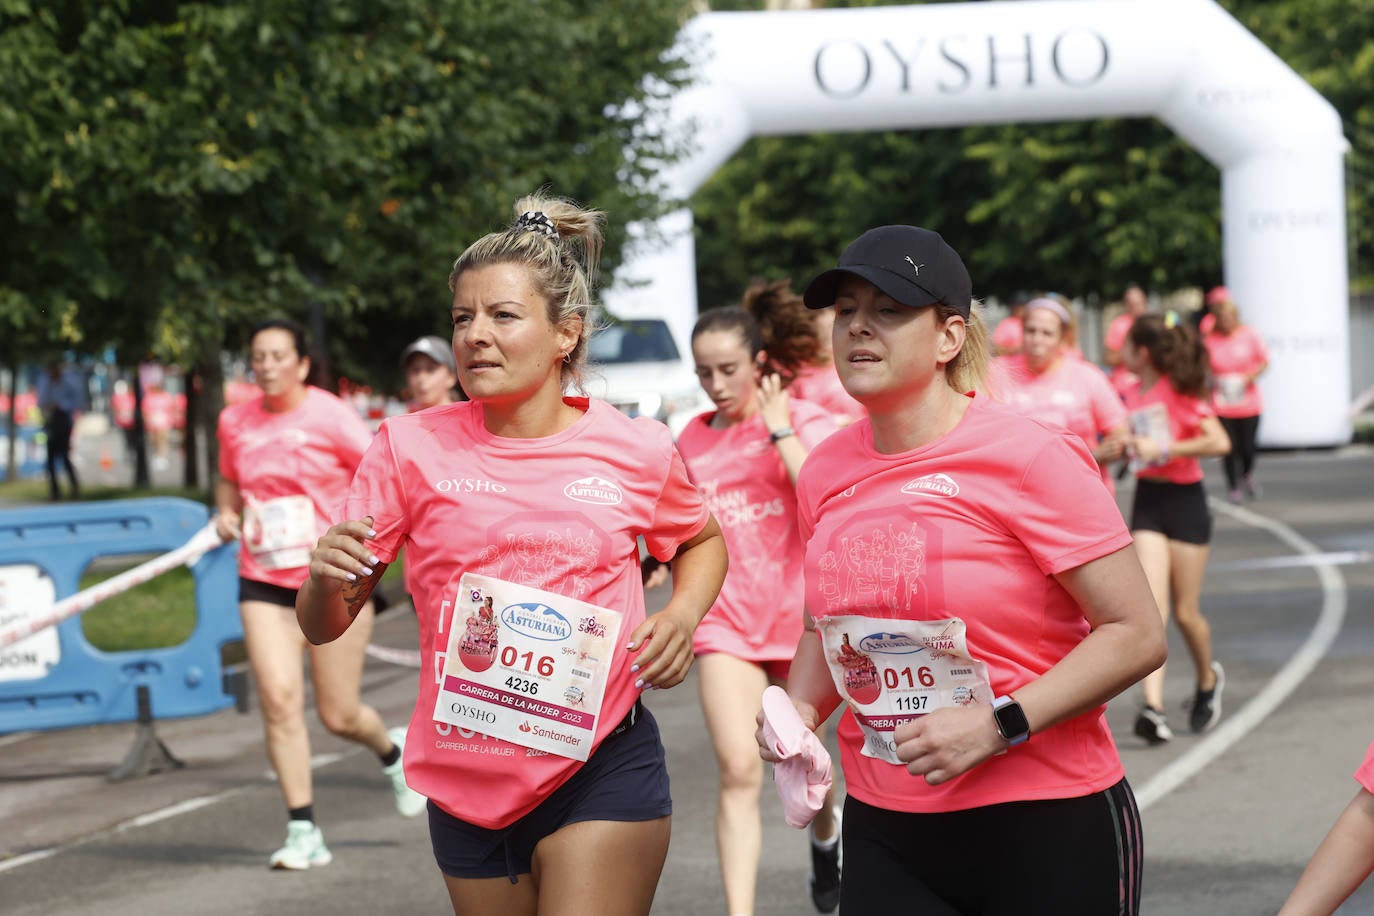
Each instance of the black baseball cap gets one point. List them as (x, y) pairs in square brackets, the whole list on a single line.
[(433, 346), (914, 266)]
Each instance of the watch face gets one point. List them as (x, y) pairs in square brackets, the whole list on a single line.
[(1011, 721)]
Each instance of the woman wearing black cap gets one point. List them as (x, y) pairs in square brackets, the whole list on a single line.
[(974, 556)]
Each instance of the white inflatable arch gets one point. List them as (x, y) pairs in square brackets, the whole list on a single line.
[(1278, 144)]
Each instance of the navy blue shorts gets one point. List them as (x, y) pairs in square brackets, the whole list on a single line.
[(626, 779), (1176, 510)]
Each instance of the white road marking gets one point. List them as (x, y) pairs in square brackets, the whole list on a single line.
[(1288, 678), (162, 814), (1334, 558)]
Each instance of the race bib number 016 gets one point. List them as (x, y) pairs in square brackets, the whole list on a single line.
[(526, 665), (892, 671)]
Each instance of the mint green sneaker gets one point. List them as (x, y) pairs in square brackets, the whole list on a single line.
[(408, 802), (304, 848)]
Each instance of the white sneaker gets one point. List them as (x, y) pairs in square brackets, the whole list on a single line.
[(304, 848), (408, 802)]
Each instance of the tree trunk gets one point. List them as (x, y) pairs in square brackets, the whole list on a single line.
[(141, 479), (11, 466), (190, 429)]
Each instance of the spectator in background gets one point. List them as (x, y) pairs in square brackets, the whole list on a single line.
[(1135, 302), (818, 382), (1008, 337), (1239, 357), (431, 373), (60, 397)]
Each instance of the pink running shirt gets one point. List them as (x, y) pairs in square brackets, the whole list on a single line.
[(821, 385), (1074, 395), (1242, 352), (560, 513), (311, 450), (974, 525), (1185, 422), (758, 616), (1365, 774)]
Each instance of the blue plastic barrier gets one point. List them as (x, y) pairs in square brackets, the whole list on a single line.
[(88, 686)]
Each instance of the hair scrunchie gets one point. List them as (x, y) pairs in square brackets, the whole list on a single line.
[(534, 221)]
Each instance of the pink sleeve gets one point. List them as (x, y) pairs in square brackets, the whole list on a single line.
[(377, 490), (1365, 774), (228, 454), (1196, 409), (679, 514), (813, 425), (1063, 514), (1261, 351), (354, 437), (1108, 411), (806, 517)]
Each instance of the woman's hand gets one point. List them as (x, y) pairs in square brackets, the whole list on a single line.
[(809, 716), (342, 556), (228, 525), (948, 742), (664, 644), (773, 403), (1146, 449)]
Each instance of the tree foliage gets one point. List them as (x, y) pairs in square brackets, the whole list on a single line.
[(1080, 208), (175, 171)]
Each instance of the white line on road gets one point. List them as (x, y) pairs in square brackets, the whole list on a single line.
[(1282, 684), (162, 814)]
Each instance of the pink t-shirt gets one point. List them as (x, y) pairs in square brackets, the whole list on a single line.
[(311, 451), (758, 615), (1118, 329), (974, 525), (1073, 394), (1185, 422), (1008, 334), (559, 513), (821, 385), (1242, 352), (1365, 774)]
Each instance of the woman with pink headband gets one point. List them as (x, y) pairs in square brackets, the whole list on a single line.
[(1043, 383)]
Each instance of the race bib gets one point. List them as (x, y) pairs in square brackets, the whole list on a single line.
[(526, 665), (894, 671), (280, 532), (1152, 422), (1231, 389)]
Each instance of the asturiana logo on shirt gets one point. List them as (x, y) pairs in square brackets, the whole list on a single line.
[(933, 484), (595, 490), (889, 643), (537, 621)]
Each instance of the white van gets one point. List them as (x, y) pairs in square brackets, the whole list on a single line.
[(637, 365)]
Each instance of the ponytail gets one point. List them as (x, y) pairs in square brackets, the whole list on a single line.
[(1174, 349)]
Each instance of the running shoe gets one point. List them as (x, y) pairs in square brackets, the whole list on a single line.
[(408, 802), (1252, 489), (1206, 706), (304, 848), (1152, 726), (824, 879), (1234, 496)]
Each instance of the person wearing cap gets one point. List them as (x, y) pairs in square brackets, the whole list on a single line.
[(973, 556), (1238, 357), (1045, 382), (431, 373)]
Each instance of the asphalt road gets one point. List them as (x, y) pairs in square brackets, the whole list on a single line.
[(1230, 818)]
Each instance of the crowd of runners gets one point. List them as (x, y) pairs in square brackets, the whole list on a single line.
[(891, 510)]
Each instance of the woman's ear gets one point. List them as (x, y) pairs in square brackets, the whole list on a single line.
[(952, 336)]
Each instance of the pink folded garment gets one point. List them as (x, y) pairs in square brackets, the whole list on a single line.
[(802, 773)]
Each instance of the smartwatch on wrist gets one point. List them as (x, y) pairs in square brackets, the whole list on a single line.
[(1011, 721), (781, 434)]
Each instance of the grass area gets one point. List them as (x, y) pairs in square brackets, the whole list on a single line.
[(162, 611)]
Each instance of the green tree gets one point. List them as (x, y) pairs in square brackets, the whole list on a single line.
[(176, 171)]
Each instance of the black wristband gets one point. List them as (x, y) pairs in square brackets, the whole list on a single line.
[(781, 434)]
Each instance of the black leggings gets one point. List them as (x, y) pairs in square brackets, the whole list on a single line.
[(1059, 857), (1241, 461)]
